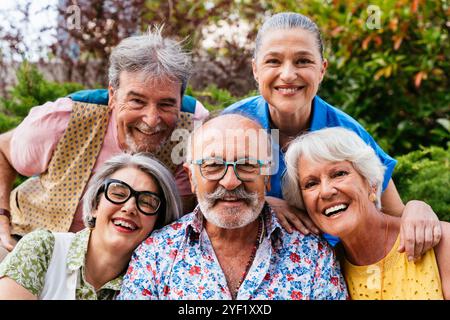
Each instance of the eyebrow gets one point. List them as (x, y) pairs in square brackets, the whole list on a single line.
[(140, 95), (134, 93), (169, 100), (301, 52)]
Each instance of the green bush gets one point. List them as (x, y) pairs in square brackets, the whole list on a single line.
[(393, 78), (425, 174), (216, 99), (31, 90)]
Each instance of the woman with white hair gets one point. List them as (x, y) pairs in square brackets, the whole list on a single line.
[(127, 198), (337, 178)]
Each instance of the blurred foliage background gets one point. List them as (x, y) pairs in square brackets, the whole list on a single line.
[(388, 66)]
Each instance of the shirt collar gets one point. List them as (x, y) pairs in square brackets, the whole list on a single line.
[(78, 249), (77, 254), (319, 114)]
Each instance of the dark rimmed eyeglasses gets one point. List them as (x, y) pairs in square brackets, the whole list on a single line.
[(118, 192), (246, 169)]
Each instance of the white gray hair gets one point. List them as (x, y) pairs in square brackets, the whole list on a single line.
[(331, 144), (288, 20), (151, 54), (147, 164)]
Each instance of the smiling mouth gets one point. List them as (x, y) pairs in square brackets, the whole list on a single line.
[(148, 133), (124, 224), (335, 210), (289, 90)]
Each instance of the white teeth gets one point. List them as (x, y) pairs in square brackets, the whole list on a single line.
[(333, 209), (124, 224), (287, 90)]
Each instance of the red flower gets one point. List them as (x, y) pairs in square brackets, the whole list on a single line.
[(290, 277), (173, 253), (335, 281), (194, 270), (296, 295), (166, 290), (320, 247), (295, 257), (145, 292), (176, 226), (267, 277)]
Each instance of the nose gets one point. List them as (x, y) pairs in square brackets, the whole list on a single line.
[(151, 115), (230, 181), (327, 190), (130, 206), (288, 72)]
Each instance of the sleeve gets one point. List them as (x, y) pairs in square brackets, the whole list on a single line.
[(27, 264), (35, 139), (328, 281), (139, 282), (201, 113)]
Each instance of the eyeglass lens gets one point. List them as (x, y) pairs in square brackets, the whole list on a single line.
[(120, 193), (214, 169)]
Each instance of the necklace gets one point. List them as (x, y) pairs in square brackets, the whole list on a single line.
[(259, 238)]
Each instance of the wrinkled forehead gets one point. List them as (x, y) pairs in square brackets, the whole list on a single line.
[(231, 144)]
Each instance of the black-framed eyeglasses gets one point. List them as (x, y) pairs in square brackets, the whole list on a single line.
[(246, 169), (118, 192)]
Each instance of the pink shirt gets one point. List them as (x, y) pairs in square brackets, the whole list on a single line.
[(34, 140)]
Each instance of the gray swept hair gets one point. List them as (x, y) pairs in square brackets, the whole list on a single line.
[(151, 54), (288, 20), (331, 144), (147, 164)]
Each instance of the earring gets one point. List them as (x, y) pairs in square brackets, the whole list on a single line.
[(372, 197)]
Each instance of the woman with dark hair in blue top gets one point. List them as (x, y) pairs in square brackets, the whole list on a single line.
[(288, 65)]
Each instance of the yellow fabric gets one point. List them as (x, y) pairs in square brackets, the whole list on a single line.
[(401, 279), (50, 200)]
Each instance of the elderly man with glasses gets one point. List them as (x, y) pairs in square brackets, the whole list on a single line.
[(231, 246)]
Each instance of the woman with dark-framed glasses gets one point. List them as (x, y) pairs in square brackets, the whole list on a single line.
[(126, 200)]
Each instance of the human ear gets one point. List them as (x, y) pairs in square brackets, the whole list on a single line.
[(187, 169), (267, 183), (111, 97), (323, 68), (255, 72)]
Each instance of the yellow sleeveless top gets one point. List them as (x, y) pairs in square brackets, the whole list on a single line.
[(395, 278)]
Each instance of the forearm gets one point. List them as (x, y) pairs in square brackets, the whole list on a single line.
[(11, 290), (7, 172)]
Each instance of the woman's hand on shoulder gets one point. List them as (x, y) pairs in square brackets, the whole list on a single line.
[(291, 217)]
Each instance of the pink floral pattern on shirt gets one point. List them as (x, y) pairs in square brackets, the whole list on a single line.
[(178, 262)]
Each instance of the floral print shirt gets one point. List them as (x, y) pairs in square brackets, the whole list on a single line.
[(27, 265), (178, 262)]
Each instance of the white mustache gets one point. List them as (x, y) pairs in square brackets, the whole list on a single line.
[(239, 193)]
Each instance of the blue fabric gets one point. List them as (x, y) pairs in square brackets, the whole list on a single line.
[(100, 96), (323, 116)]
